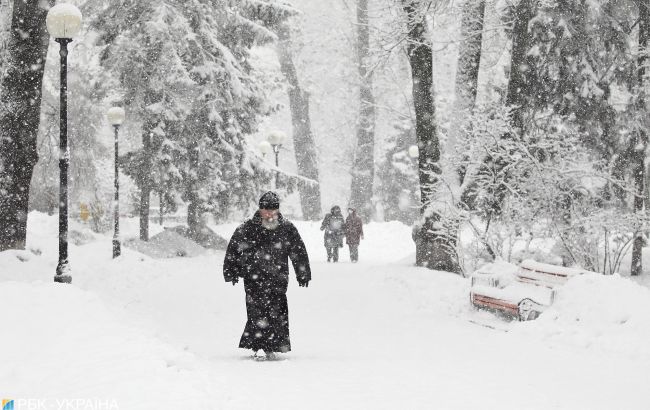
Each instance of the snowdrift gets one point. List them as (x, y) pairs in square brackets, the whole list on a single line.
[(597, 311), (62, 342), (166, 244)]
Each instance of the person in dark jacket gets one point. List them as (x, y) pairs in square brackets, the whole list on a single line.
[(334, 227), (259, 252), (353, 233)]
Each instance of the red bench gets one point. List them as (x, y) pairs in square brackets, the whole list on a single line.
[(522, 292)]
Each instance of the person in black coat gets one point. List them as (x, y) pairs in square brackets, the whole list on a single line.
[(334, 227), (259, 252)]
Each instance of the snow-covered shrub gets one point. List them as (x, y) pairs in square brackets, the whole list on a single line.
[(599, 241), (43, 197), (100, 199), (539, 188)]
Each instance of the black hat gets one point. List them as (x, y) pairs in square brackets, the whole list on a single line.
[(270, 200)]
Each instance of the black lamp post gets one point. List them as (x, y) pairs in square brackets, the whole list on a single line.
[(276, 139), (116, 117), (63, 22)]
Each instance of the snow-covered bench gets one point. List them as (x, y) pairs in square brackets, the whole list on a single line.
[(522, 292)]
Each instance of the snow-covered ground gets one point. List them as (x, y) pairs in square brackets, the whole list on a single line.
[(141, 333)]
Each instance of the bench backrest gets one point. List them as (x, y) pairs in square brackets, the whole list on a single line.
[(544, 274)]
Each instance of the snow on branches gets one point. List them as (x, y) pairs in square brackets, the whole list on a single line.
[(543, 185), (184, 73)]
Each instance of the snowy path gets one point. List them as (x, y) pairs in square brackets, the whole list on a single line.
[(374, 335)]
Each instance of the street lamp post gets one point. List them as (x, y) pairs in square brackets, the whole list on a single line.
[(276, 139), (63, 22), (116, 117)]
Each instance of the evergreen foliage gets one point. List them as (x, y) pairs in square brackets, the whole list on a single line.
[(184, 71), (554, 189), (580, 57)]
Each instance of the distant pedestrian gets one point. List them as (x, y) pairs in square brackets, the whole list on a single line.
[(259, 252), (353, 233), (334, 227)]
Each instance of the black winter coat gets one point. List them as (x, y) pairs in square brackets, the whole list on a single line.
[(262, 255), (334, 227)]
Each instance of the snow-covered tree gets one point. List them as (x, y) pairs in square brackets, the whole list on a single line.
[(467, 71), (184, 71), (554, 189), (579, 58), (577, 54)]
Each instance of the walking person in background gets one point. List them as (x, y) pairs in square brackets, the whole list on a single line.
[(353, 233), (334, 227), (259, 252)]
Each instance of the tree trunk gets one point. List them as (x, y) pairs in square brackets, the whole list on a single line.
[(435, 251), (469, 59), (303, 139), (641, 138), (523, 13), (145, 184), (363, 170), (20, 117)]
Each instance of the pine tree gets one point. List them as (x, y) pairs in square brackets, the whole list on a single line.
[(567, 59), (518, 88), (576, 54), (469, 61), (183, 66)]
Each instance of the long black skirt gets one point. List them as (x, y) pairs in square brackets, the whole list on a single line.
[(267, 327)]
